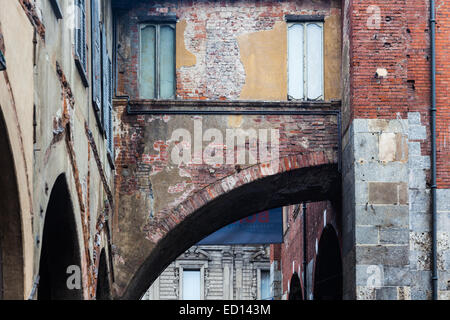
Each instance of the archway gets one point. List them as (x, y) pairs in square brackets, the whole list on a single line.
[(103, 291), (60, 248), (11, 249), (314, 183), (328, 270), (295, 288)]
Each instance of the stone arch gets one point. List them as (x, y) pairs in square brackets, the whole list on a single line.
[(328, 276), (308, 177), (11, 235), (295, 288), (60, 248), (103, 291)]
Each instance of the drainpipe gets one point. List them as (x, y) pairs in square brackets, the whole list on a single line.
[(434, 276), (305, 247)]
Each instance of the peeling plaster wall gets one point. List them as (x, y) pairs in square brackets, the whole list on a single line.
[(16, 103), (68, 138), (231, 49), (150, 186)]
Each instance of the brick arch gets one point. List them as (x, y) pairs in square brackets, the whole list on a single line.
[(310, 176)]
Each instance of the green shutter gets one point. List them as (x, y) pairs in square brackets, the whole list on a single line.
[(167, 62), (147, 81)]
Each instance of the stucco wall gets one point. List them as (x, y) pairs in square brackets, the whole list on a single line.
[(16, 102), (230, 50)]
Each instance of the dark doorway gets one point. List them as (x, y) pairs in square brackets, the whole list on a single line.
[(328, 271), (11, 249), (103, 289), (60, 254), (295, 289)]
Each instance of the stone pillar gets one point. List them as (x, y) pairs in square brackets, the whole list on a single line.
[(387, 219), (228, 287)]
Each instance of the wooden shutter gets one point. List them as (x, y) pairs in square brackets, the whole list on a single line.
[(107, 95), (105, 92), (96, 56), (110, 135), (80, 40)]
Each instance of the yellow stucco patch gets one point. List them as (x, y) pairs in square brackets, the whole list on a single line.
[(332, 53), (184, 57), (264, 56)]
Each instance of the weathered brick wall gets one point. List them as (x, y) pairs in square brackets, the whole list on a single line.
[(154, 194), (211, 39), (442, 91)]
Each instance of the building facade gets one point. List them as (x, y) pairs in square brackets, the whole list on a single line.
[(234, 272), (131, 127)]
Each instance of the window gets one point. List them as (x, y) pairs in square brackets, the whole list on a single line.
[(80, 40), (157, 61), (191, 284), (265, 285), (305, 60)]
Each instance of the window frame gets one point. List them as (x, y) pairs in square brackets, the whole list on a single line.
[(292, 20), (260, 268), (157, 23), (81, 62), (191, 265)]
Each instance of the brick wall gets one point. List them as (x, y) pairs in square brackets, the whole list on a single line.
[(211, 35), (291, 250), (400, 45)]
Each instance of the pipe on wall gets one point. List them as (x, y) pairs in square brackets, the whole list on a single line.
[(434, 276)]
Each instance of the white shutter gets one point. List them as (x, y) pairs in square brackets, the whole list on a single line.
[(295, 61), (314, 61)]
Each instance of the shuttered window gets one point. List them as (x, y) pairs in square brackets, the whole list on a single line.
[(80, 40), (96, 55), (305, 61), (157, 61), (106, 67)]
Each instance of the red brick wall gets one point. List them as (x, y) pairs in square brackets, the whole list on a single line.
[(291, 250), (442, 90), (401, 45)]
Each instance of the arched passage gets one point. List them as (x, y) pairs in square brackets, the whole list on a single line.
[(328, 270), (103, 291), (11, 249), (313, 183), (60, 248), (295, 288)]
